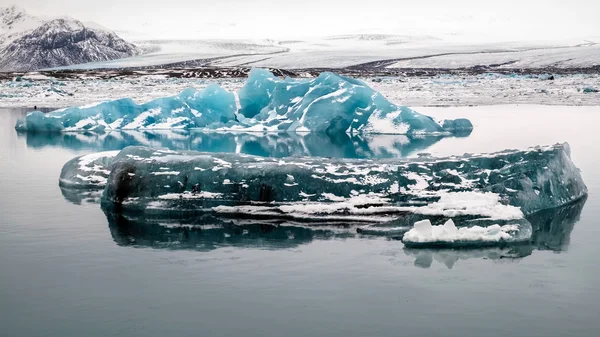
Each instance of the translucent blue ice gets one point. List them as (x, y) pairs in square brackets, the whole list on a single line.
[(330, 103), (211, 107)]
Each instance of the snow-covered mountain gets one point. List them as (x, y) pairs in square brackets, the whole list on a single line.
[(14, 23), (30, 43)]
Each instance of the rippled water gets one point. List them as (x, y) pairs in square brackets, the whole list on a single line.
[(68, 270)]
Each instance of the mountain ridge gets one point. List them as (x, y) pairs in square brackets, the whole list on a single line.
[(30, 43)]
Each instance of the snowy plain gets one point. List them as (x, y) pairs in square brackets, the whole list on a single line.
[(396, 51)]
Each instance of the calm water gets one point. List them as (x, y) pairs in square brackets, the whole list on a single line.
[(64, 271)]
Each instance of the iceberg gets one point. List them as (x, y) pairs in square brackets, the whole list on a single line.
[(497, 188), (330, 103), (211, 107)]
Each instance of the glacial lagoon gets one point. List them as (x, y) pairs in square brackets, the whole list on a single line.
[(76, 270)]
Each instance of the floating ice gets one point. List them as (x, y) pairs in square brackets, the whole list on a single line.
[(212, 107), (425, 234), (330, 103), (87, 171), (499, 188)]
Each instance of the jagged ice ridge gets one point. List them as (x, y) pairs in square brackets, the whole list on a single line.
[(329, 103)]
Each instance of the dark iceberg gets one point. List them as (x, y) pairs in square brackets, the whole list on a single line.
[(463, 201)]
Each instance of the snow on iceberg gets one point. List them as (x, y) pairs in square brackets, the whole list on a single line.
[(330, 103), (87, 171), (497, 188)]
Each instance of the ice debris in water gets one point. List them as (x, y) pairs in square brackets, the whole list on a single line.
[(424, 233), (329, 103)]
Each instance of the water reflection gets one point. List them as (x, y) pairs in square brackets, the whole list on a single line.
[(81, 196), (551, 232), (205, 233), (266, 145)]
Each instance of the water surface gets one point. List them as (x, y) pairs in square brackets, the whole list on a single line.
[(68, 270)]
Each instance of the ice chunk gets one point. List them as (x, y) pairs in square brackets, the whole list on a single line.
[(457, 125), (500, 186), (423, 227), (449, 235), (211, 108), (330, 103)]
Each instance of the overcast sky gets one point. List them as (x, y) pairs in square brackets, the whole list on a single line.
[(498, 19)]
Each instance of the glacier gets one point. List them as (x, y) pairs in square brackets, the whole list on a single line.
[(329, 103)]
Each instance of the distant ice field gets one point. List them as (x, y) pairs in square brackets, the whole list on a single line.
[(352, 50), (440, 90)]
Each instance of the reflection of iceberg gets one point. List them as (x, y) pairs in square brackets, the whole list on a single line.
[(267, 145), (206, 233), (330, 103), (424, 258), (80, 196), (551, 231)]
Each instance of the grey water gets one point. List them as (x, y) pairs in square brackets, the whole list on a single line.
[(67, 269)]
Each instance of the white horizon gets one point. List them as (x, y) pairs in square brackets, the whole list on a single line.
[(460, 20)]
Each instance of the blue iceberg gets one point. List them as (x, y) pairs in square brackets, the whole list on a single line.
[(209, 108), (330, 103)]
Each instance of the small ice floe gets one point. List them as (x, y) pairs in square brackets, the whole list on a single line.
[(424, 234)]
